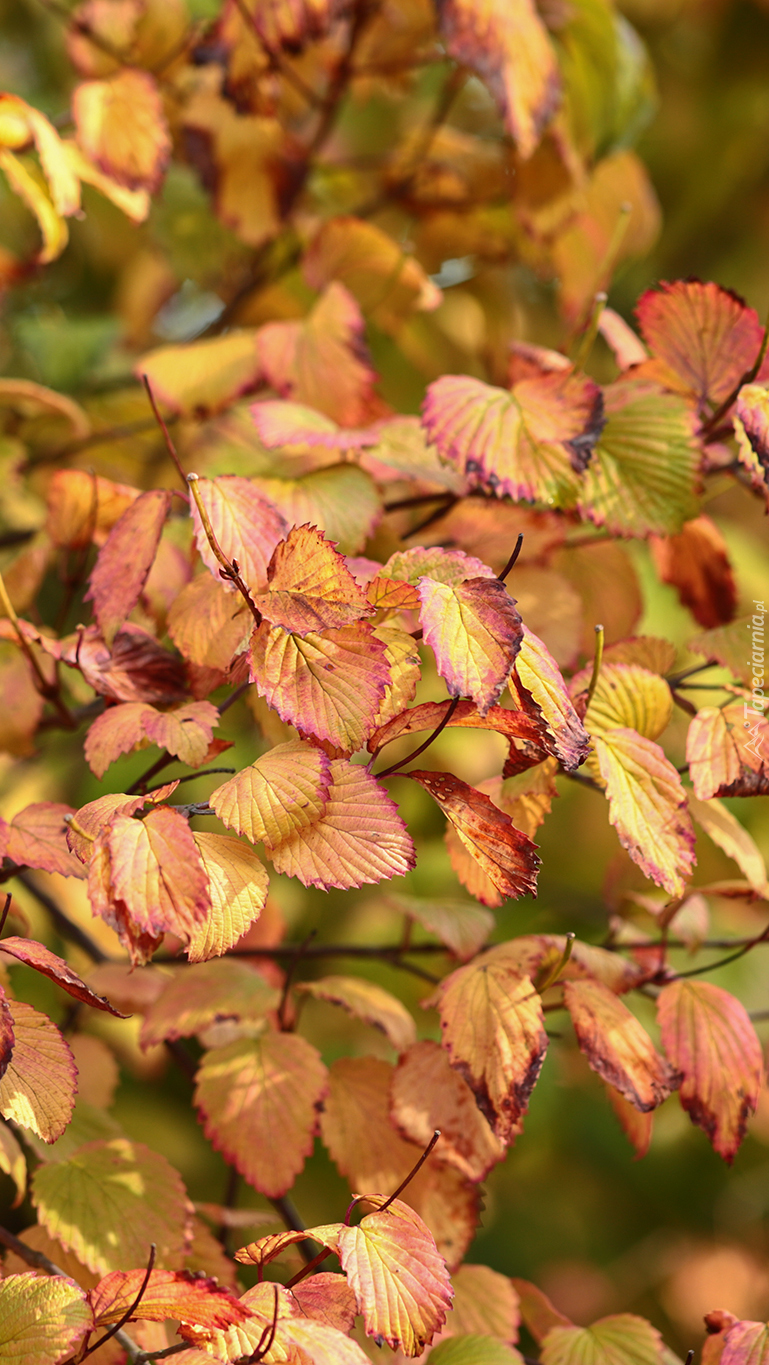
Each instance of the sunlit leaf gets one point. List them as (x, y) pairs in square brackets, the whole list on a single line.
[(286, 789), (397, 1275), (709, 1038), (727, 751), (696, 563), (165, 1294), (43, 1319), (204, 377), (751, 427), (37, 1088), (310, 588), (622, 1339), (493, 1030), (246, 526), (366, 1001), (630, 696), (342, 501), (647, 806), (616, 1045), (506, 856), (359, 838), (125, 560), (428, 1093), (122, 127), (205, 994), (512, 724), (540, 677), (727, 832), (208, 624), (156, 871), (475, 633), (237, 886), (387, 283), (327, 1298), (531, 442), (109, 1200)]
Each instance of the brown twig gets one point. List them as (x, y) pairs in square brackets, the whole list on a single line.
[(129, 1312), (395, 767), (170, 447)]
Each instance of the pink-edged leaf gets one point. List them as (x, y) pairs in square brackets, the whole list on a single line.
[(37, 837), (532, 442), (541, 680), (37, 956), (286, 789), (475, 633), (156, 871), (359, 838), (288, 424), (116, 731), (166, 1294), (310, 587), (125, 560), (37, 1089), (709, 1038), (617, 1047), (327, 1298), (446, 566), (727, 750), (751, 427), (6, 1033), (745, 1343), (245, 524)]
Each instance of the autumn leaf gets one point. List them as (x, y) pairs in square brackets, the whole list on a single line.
[(290, 26), (643, 474), (751, 429), (745, 1342), (527, 797), (37, 956), (696, 563), (109, 1200), (703, 338), (485, 1302), (185, 732), (206, 994), (511, 50), (121, 126), (296, 1337), (43, 1319), (95, 815), (532, 442), (726, 751), (237, 887), (397, 1275), (208, 625), (285, 790), (727, 832), (125, 559), (540, 677), (647, 806), (405, 665), (726, 645), (473, 1348), (359, 838), (321, 361), (632, 697), (12, 1160), (512, 724), (6, 1033), (537, 1312), (617, 1047), (368, 1002), (37, 837), (388, 284), (428, 1093), (37, 1087), (156, 872), (328, 1299), (310, 588), (475, 633), (342, 501), (493, 1031), (622, 1339), (135, 667), (165, 1294), (506, 856), (258, 1101), (461, 925), (246, 526), (709, 1038), (329, 685)]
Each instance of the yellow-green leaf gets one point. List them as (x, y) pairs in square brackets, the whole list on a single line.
[(43, 1319)]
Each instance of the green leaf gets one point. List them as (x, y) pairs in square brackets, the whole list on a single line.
[(622, 1339), (473, 1350)]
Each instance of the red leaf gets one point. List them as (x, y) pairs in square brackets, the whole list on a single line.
[(245, 524), (135, 668), (512, 724), (39, 957), (310, 586), (696, 563), (125, 560), (616, 1045), (177, 1294)]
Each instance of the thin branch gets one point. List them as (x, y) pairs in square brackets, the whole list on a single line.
[(170, 447), (724, 961), (129, 1312), (290, 974), (229, 569), (414, 1170), (394, 767), (419, 500), (50, 691)]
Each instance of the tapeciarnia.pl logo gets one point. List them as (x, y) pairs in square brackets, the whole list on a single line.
[(754, 709)]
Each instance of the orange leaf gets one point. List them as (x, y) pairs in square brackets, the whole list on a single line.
[(258, 1099), (285, 790), (208, 625), (321, 361), (37, 837), (6, 1033), (388, 284), (156, 872), (175, 1294), (237, 885), (185, 732), (398, 1277), (728, 751), (708, 1036), (327, 1298), (703, 337), (37, 1089), (359, 838), (696, 563), (647, 806), (493, 1030), (428, 1093), (617, 1046), (122, 127), (329, 685), (83, 507), (475, 633), (429, 714), (206, 994), (506, 856), (92, 817), (537, 1312), (125, 560), (366, 1001), (290, 25), (310, 586), (246, 526), (42, 960), (510, 49), (531, 442), (540, 678)]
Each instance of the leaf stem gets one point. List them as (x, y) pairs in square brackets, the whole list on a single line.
[(170, 447), (512, 560), (229, 568), (394, 767), (414, 1171), (50, 691), (597, 661), (724, 962)]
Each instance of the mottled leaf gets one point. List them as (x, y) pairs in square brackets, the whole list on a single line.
[(617, 1047), (494, 1033), (428, 1093), (156, 871), (37, 1088), (258, 1101), (165, 1294), (531, 442), (475, 633), (506, 856), (185, 732), (43, 1319), (125, 559), (540, 677), (237, 886), (206, 994), (109, 1200), (367, 1001), (751, 427), (359, 838), (310, 588), (709, 1038), (728, 751), (647, 806)]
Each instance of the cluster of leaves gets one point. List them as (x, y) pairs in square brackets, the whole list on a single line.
[(341, 569)]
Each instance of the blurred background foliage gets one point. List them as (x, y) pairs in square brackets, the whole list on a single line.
[(677, 1233)]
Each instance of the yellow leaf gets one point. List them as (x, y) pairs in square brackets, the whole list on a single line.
[(387, 283), (42, 1319), (13, 1162), (405, 666), (109, 1200), (237, 885), (285, 790), (369, 1002), (310, 587), (428, 1093), (31, 192), (202, 377), (38, 1087), (631, 697), (122, 128), (727, 832), (540, 677), (343, 502), (258, 1099)]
